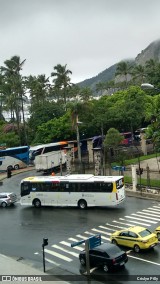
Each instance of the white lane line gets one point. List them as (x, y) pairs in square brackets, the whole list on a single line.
[(81, 237), (102, 232), (127, 224), (147, 215), (58, 255), (115, 225), (136, 222), (69, 245), (154, 209), (73, 239), (156, 206), (144, 217), (156, 214), (102, 237), (135, 218), (145, 260), (65, 250), (106, 228), (51, 261)]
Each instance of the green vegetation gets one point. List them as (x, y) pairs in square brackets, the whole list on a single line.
[(55, 104)]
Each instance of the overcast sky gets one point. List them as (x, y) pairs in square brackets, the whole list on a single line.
[(87, 35)]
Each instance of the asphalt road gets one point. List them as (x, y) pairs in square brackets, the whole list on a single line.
[(22, 230)]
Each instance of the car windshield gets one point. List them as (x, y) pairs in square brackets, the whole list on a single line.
[(145, 233)]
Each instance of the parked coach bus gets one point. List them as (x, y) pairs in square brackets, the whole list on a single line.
[(14, 158), (81, 190), (45, 148)]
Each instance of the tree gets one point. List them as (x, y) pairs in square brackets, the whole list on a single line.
[(139, 73), (123, 70), (13, 88), (112, 139), (62, 80)]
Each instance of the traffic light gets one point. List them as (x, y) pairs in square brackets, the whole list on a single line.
[(141, 171), (45, 242), (9, 173)]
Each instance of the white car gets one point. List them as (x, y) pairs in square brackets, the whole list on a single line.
[(7, 198)]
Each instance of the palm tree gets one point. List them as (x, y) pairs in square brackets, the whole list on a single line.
[(62, 79), (13, 87), (123, 69), (139, 73)]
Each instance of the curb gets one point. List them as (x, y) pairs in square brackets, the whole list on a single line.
[(143, 195), (16, 172)]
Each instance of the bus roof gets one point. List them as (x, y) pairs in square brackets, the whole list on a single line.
[(73, 177), (33, 148), (14, 148)]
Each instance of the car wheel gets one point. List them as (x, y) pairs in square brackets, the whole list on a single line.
[(82, 204), (4, 204), (136, 248), (16, 167), (114, 242), (37, 203), (105, 268), (82, 261), (158, 236)]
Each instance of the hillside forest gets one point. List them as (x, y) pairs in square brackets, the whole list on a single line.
[(56, 104)]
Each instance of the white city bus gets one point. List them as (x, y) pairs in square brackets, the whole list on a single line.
[(81, 190)]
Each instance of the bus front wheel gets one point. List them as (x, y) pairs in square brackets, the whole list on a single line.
[(82, 204), (37, 203)]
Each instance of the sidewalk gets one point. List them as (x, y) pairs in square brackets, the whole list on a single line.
[(14, 271)]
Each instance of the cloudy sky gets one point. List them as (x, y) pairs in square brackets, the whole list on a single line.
[(87, 35)]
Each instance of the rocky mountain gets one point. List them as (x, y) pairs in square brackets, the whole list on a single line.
[(150, 52)]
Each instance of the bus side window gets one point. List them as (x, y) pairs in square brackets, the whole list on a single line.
[(0, 163), (108, 187)]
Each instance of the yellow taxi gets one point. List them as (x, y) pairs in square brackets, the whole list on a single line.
[(157, 232), (135, 237)]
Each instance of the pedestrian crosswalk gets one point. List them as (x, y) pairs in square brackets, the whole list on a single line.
[(63, 251)]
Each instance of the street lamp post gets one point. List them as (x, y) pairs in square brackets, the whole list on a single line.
[(78, 141)]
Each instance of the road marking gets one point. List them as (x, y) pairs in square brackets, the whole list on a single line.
[(148, 212), (103, 227), (65, 250), (115, 225), (122, 224), (53, 262), (156, 207), (147, 217), (145, 260), (82, 237), (139, 219), (58, 255), (69, 245), (102, 237), (154, 212), (135, 222), (102, 232)]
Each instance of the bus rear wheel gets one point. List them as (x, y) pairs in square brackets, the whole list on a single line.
[(82, 204), (37, 203), (16, 167)]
